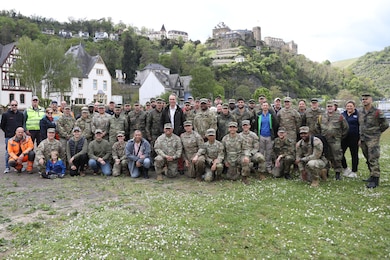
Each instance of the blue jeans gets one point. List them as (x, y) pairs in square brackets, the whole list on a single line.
[(6, 155), (135, 171), (95, 165)]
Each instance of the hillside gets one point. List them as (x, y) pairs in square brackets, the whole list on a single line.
[(344, 64)]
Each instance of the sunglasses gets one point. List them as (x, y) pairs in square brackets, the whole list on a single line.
[(14, 105), (49, 113), (364, 98), (35, 99)]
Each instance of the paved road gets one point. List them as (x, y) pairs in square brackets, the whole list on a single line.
[(2, 151)]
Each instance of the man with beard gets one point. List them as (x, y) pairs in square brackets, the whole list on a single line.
[(223, 121), (204, 119)]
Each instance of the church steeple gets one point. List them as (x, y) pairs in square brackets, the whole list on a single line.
[(163, 29)]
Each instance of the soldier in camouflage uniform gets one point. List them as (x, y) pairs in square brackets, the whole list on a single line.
[(116, 124), (119, 155), (241, 113), (85, 124), (310, 117), (169, 149), (223, 121), (153, 122), (189, 112), (284, 154), (236, 155), (334, 127), (65, 125), (372, 123), (252, 142), (204, 119), (44, 149), (213, 154), (192, 142), (137, 119), (309, 156), (290, 119), (101, 121)]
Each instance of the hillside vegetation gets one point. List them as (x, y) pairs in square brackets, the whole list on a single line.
[(268, 71)]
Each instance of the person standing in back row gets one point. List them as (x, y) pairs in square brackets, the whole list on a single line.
[(32, 116), (372, 123)]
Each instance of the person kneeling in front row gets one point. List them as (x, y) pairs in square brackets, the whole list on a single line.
[(138, 155)]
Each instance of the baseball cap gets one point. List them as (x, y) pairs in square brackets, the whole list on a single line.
[(76, 129), (304, 129), (167, 125), (98, 131), (210, 131)]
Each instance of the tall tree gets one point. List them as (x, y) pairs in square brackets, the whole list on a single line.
[(130, 58), (203, 84)]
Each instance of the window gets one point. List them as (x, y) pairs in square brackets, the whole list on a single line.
[(99, 72), (79, 101), (105, 85), (11, 97), (80, 83), (94, 84), (21, 98)]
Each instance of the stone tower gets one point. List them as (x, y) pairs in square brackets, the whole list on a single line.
[(257, 35)]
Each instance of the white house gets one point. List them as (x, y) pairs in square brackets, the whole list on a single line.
[(155, 80), (94, 85), (10, 87)]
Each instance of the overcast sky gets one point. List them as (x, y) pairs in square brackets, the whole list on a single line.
[(324, 30)]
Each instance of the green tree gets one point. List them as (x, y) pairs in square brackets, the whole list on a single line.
[(203, 83), (262, 91), (130, 58)]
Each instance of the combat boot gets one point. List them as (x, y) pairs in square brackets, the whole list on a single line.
[(324, 174), (262, 176), (374, 183), (159, 175), (369, 179), (245, 180), (314, 183), (145, 173), (338, 177), (304, 176)]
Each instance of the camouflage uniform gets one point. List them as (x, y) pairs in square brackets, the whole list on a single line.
[(137, 121), (192, 142), (101, 121), (223, 124), (310, 157), (153, 126), (252, 142), (65, 125), (189, 115), (235, 150), (204, 120), (211, 152), (44, 149), (285, 148), (85, 125), (241, 116), (115, 125), (372, 124), (170, 146), (334, 127), (291, 120), (118, 152), (310, 118)]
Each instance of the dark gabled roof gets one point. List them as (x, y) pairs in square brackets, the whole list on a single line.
[(173, 78), (85, 61), (154, 66), (163, 28), (163, 78), (5, 51)]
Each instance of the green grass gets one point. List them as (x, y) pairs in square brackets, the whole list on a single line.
[(183, 219), (343, 64)]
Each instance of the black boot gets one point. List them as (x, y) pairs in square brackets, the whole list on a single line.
[(374, 183), (369, 179), (338, 176), (145, 173)]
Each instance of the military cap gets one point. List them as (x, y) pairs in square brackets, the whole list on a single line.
[(101, 105), (159, 100), (120, 133), (314, 100), (152, 99), (287, 99), (98, 131), (276, 99), (190, 97), (84, 109), (167, 125), (262, 96), (187, 123), (91, 105), (251, 101), (282, 129), (136, 103), (76, 129), (147, 103), (51, 130), (232, 101), (67, 107), (35, 97), (225, 105), (54, 102), (330, 103), (187, 102), (118, 106), (219, 96), (210, 131), (246, 122), (112, 102), (304, 129), (366, 95), (204, 100), (234, 124)]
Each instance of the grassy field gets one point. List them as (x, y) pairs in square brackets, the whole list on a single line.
[(122, 218)]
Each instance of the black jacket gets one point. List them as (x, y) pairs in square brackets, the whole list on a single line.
[(179, 119), (10, 121), (45, 124)]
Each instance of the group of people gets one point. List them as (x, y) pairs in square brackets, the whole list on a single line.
[(206, 141)]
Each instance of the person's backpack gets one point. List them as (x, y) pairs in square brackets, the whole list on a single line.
[(325, 150)]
